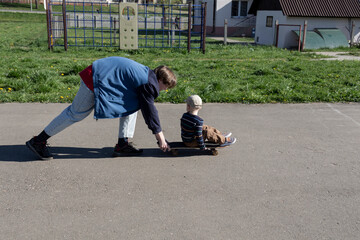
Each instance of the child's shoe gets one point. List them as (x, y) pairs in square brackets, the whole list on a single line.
[(127, 149), (229, 141), (40, 149), (227, 134)]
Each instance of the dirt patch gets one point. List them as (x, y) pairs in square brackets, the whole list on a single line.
[(338, 56)]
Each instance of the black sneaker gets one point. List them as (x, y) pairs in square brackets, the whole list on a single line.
[(126, 150), (40, 149)]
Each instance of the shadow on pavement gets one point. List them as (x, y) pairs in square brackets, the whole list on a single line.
[(20, 153)]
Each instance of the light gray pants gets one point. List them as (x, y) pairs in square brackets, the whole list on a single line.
[(80, 108)]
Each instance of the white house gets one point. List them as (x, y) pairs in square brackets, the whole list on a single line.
[(240, 23), (329, 23)]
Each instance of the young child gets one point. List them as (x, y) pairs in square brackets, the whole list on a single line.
[(194, 133)]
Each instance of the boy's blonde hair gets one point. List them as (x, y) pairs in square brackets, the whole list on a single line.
[(166, 75), (194, 101)]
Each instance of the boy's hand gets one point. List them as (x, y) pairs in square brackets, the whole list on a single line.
[(163, 145)]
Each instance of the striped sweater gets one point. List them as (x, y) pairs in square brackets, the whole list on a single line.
[(191, 129)]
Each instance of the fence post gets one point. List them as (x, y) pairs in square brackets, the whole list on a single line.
[(189, 27), (276, 32), (352, 33), (164, 20), (204, 26), (145, 18), (48, 16), (114, 30), (304, 35), (171, 34), (299, 45), (64, 24), (225, 31)]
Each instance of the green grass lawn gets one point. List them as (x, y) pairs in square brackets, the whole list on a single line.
[(29, 72), (21, 6)]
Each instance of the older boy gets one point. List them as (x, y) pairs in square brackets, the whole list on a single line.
[(114, 87), (194, 133)]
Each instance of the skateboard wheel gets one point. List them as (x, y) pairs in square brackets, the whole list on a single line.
[(174, 152), (214, 152)]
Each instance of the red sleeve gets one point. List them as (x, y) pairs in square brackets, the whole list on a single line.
[(87, 77)]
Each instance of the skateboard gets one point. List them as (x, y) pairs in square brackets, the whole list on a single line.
[(176, 146)]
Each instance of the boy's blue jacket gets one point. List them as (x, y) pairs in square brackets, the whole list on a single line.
[(123, 86)]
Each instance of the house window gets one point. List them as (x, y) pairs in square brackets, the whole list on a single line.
[(269, 21), (239, 8)]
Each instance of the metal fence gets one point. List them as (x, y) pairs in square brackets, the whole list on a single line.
[(97, 24)]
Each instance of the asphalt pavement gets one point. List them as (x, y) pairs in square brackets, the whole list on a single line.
[(293, 173)]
